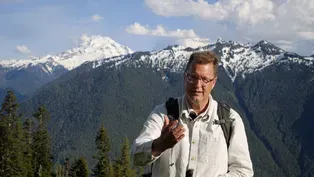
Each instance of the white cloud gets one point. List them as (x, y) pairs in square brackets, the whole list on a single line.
[(137, 28), (284, 44), (187, 8), (260, 19), (96, 18), (23, 49), (84, 38), (193, 42), (307, 35), (186, 37), (244, 11)]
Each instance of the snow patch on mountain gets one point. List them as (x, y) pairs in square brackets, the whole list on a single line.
[(237, 59), (93, 48), (245, 59)]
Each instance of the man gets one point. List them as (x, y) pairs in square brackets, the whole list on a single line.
[(193, 143)]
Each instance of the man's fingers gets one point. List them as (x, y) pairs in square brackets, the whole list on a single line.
[(180, 137), (178, 129), (178, 132), (173, 124), (166, 121)]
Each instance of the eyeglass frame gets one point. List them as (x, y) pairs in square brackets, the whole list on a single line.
[(204, 80)]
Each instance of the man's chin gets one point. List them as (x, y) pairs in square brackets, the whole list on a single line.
[(196, 99)]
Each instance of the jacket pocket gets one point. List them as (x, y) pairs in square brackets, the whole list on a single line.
[(209, 147)]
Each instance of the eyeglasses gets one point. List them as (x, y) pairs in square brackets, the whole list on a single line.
[(192, 78)]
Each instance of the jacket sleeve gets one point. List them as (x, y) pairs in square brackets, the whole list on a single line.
[(239, 160), (142, 146)]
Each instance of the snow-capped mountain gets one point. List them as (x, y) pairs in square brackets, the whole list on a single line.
[(272, 89), (25, 76), (93, 48), (237, 59)]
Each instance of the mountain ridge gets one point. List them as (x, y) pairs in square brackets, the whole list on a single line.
[(237, 59), (92, 48), (121, 97), (268, 88)]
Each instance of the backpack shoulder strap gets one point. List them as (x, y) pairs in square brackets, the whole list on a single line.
[(172, 107), (223, 112)]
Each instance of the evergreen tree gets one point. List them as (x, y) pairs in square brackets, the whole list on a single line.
[(59, 172), (41, 145), (103, 148), (28, 152), (118, 169), (11, 138), (79, 168), (139, 171), (111, 170), (125, 160), (66, 167)]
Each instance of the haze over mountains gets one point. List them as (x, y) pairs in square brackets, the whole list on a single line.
[(102, 82)]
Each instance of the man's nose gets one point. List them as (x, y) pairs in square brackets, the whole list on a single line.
[(199, 83)]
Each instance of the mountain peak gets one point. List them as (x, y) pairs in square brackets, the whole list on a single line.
[(99, 44), (96, 40), (263, 42), (174, 47), (267, 48), (220, 40), (92, 48)]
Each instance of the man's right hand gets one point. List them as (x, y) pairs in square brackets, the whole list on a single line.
[(171, 134)]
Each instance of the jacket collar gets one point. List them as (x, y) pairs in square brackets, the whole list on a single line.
[(186, 109)]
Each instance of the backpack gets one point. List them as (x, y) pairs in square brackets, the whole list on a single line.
[(223, 112), (224, 121)]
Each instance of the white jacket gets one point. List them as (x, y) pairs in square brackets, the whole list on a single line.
[(203, 148)]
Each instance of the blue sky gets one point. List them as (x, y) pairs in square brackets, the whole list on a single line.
[(36, 28)]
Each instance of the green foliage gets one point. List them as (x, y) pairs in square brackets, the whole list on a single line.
[(28, 151), (102, 168), (42, 157), (277, 103), (4, 91), (124, 162), (118, 169), (79, 168), (110, 171), (23, 151), (11, 139), (273, 105), (59, 171)]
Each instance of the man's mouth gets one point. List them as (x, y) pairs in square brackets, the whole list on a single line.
[(197, 92)]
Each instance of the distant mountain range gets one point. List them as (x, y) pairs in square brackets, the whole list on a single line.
[(25, 76), (272, 89)]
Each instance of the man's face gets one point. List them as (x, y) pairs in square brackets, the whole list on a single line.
[(196, 88)]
